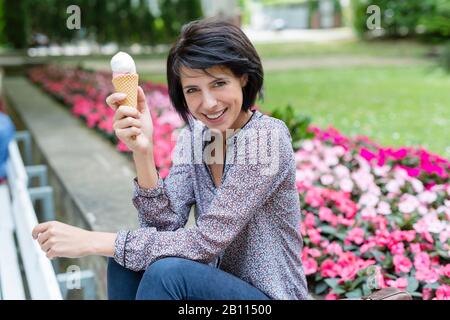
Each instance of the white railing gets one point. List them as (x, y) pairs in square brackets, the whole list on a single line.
[(21, 218)]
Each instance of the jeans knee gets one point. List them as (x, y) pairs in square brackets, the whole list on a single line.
[(165, 267)]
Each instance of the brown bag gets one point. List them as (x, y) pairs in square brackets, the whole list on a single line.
[(388, 294)]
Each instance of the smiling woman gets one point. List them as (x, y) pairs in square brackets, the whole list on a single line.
[(246, 241)]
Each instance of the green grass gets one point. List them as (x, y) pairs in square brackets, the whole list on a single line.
[(395, 106), (394, 48)]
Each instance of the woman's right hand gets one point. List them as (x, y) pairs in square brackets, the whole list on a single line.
[(133, 126)]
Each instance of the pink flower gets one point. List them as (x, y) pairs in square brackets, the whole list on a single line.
[(348, 273), (309, 220), (367, 154), (443, 292), (397, 248), (445, 271), (422, 261), (356, 235), (314, 198), (331, 296), (329, 269), (310, 266), (314, 236), (326, 214), (400, 283), (415, 248), (402, 264), (427, 293), (427, 275), (334, 248)]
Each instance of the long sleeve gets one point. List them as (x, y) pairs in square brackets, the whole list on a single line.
[(167, 206), (246, 188)]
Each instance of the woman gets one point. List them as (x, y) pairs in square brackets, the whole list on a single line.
[(236, 165)]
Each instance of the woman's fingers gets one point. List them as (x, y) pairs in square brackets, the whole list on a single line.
[(43, 237), (142, 103), (114, 99), (125, 111), (126, 134), (126, 123)]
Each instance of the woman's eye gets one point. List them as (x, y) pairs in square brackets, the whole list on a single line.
[(191, 90), (220, 83)]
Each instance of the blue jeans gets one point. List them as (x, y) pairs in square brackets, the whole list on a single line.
[(6, 134), (177, 279)]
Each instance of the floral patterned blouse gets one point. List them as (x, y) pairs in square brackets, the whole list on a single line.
[(249, 226)]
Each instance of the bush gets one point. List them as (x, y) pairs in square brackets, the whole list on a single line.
[(297, 123), (423, 18)]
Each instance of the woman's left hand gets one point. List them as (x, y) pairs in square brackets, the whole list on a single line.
[(62, 240)]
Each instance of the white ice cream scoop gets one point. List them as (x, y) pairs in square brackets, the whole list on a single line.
[(122, 62)]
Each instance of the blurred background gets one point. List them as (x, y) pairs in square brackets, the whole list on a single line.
[(379, 69)]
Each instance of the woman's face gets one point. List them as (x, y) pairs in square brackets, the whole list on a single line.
[(215, 97)]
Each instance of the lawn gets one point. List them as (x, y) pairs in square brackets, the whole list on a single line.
[(395, 106), (383, 49)]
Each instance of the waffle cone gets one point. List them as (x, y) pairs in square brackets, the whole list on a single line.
[(127, 83)]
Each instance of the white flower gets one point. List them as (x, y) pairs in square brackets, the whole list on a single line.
[(363, 179), (341, 171), (393, 186), (339, 151), (384, 208), (434, 224), (427, 197), (408, 204), (381, 171), (346, 185), (422, 210), (327, 179), (417, 185), (368, 200), (368, 212), (308, 145), (331, 160)]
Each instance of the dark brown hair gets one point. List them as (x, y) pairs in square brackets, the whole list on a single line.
[(206, 43)]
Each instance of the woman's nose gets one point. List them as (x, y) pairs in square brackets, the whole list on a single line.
[(209, 101)]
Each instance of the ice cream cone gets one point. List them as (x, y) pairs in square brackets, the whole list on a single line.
[(127, 83)]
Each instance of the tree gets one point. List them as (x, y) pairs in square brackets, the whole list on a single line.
[(17, 23)]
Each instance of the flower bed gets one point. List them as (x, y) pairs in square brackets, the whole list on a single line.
[(85, 93), (372, 216)]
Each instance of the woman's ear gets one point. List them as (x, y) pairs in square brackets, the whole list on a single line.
[(244, 80)]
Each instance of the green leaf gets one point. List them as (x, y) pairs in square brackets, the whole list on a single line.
[(354, 294), (357, 282), (328, 230), (413, 284), (365, 289), (320, 288), (338, 290), (332, 282), (433, 285)]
